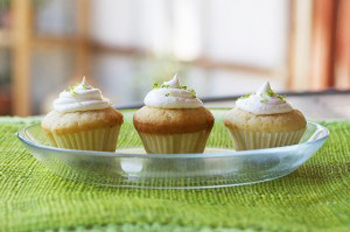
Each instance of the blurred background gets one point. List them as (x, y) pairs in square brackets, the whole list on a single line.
[(219, 47)]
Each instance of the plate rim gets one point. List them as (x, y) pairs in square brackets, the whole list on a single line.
[(27, 142)]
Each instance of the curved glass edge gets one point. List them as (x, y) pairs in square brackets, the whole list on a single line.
[(324, 135), (206, 186)]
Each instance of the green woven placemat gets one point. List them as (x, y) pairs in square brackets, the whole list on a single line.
[(314, 198)]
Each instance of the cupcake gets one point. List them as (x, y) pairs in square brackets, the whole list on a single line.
[(263, 120), (173, 120), (83, 119)]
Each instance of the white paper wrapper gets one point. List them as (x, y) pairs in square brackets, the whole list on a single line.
[(246, 140), (175, 143), (102, 139)]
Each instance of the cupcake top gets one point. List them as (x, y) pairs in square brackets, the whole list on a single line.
[(81, 97), (172, 95), (264, 101)]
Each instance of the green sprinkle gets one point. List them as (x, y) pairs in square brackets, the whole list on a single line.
[(246, 96), (73, 93), (263, 101), (84, 86), (270, 93), (167, 94), (156, 86), (164, 86), (70, 88), (192, 91), (184, 87), (282, 98)]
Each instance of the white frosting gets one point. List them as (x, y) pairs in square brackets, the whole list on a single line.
[(264, 101), (171, 96), (82, 97)]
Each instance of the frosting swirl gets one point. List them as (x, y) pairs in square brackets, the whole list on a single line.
[(264, 101), (82, 97), (172, 95)]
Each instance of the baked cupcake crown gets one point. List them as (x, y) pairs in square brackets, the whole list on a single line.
[(264, 101)]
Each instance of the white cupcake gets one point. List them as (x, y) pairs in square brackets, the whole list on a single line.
[(263, 120), (173, 121), (83, 119)]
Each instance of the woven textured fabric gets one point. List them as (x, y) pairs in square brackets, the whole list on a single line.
[(150, 228), (316, 197)]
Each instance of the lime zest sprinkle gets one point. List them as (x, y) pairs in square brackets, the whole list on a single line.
[(167, 94), (263, 101), (70, 88), (246, 96), (271, 93), (164, 86), (282, 97), (156, 85), (192, 91), (184, 87), (73, 93)]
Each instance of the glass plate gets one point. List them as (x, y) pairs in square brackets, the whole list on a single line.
[(219, 166)]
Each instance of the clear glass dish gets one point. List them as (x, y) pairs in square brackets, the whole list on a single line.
[(219, 166)]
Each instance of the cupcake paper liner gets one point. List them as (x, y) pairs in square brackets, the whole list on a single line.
[(246, 140), (102, 139), (175, 143)]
